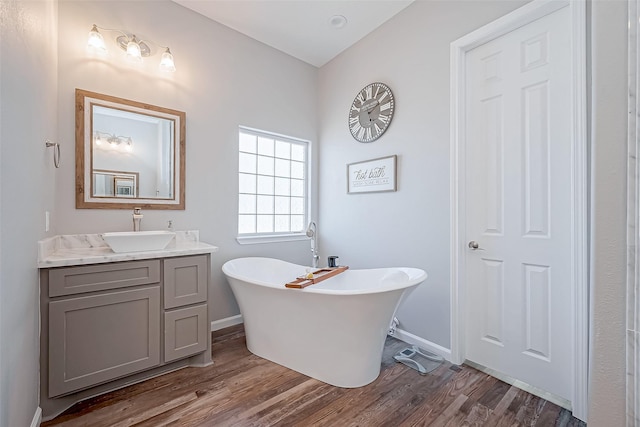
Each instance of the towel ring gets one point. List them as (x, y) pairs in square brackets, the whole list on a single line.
[(56, 152)]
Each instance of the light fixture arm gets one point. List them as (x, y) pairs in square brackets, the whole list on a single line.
[(96, 27)]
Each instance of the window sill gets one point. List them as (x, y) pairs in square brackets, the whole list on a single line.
[(255, 239)]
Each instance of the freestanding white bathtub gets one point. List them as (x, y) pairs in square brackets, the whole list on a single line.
[(333, 331)]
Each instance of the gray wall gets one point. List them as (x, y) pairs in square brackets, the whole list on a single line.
[(28, 88), (223, 80), (409, 227)]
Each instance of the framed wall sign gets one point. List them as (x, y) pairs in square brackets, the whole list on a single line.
[(372, 176)]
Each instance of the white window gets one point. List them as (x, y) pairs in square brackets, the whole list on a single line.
[(272, 178)]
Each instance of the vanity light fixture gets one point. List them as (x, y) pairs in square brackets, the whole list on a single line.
[(136, 49), (113, 141)]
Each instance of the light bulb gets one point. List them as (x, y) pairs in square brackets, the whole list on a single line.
[(166, 62), (96, 41), (133, 50)]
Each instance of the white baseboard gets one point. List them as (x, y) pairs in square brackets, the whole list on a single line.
[(226, 322), (409, 338), (37, 418)]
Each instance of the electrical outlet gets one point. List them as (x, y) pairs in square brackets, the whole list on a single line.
[(47, 218)]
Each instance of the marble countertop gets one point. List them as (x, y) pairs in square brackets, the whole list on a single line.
[(82, 249)]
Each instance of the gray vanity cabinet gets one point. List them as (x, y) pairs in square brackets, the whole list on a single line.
[(105, 322)]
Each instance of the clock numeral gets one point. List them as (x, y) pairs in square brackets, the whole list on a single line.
[(377, 91), (368, 91), (355, 129), (353, 120), (384, 119), (378, 128), (360, 98), (384, 95), (355, 109), (360, 133), (385, 106), (368, 133)]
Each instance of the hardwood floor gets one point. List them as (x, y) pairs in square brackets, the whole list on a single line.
[(241, 389)]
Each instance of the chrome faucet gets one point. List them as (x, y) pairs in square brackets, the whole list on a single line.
[(137, 218), (313, 233)]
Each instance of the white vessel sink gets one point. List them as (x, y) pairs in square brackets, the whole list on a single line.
[(136, 241)]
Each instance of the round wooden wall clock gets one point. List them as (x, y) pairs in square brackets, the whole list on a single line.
[(371, 112)]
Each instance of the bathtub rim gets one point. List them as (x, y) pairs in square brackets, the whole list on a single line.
[(420, 276)]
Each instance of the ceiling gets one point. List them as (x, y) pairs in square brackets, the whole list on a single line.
[(301, 28)]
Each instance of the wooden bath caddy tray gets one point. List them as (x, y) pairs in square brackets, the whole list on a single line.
[(318, 276)]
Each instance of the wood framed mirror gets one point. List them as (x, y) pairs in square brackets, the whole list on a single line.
[(128, 154)]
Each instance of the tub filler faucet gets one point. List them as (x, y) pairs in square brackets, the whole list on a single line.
[(137, 218), (313, 233)]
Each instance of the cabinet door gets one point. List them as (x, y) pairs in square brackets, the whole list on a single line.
[(97, 338), (185, 280), (185, 332)]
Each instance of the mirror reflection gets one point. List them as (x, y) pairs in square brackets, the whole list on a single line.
[(129, 154), (139, 143)]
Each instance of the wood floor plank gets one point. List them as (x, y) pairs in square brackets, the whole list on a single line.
[(438, 402), (301, 417), (413, 402), (506, 400), (449, 412), (241, 389), (492, 397), (478, 416), (530, 410)]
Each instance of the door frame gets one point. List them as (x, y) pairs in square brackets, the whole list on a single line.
[(579, 183)]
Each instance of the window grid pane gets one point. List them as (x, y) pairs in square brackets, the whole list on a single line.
[(265, 146), (265, 165), (265, 185), (246, 224), (272, 181), (283, 150), (247, 183), (248, 163), (265, 224), (248, 143)]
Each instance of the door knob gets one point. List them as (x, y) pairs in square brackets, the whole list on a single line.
[(474, 245)]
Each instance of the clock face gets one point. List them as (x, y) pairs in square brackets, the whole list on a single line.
[(371, 112)]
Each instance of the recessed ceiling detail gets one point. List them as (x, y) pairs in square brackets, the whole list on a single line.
[(338, 21)]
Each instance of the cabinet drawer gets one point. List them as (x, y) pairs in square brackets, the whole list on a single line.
[(100, 277), (185, 332), (97, 338), (185, 280)]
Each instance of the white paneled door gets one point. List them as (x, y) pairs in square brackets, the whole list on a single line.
[(518, 204)]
